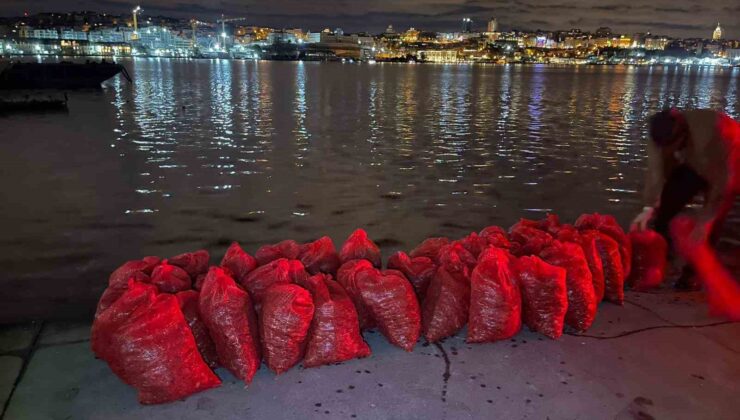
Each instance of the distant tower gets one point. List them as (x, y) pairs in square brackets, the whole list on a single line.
[(493, 25), (467, 25), (717, 35)]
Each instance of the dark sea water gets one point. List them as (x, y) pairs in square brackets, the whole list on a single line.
[(195, 154)]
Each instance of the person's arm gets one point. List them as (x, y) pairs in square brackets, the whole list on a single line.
[(655, 177), (723, 292), (654, 181)]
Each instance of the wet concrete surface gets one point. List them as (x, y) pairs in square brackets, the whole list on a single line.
[(658, 356)]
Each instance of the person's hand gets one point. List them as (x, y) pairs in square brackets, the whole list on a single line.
[(641, 221)]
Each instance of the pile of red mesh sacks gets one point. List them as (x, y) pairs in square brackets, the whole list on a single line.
[(163, 325)]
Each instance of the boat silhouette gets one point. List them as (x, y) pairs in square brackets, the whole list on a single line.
[(63, 75)]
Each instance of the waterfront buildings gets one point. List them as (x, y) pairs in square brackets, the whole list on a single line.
[(88, 33)]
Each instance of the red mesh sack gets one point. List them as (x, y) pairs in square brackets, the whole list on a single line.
[(194, 263), (454, 252), (429, 248), (188, 301), (117, 289), (138, 270), (525, 223), (358, 246), (544, 295), (550, 224), (131, 297), (495, 300), (280, 271), (569, 233), (579, 283), (649, 259), (391, 301), (496, 236), (199, 281), (593, 258), (334, 336), (474, 243), (121, 275), (229, 316), (170, 278), (286, 316), (447, 301), (527, 240), (152, 349), (288, 249), (347, 277), (611, 261), (608, 225), (320, 256), (238, 262), (151, 262), (419, 270)]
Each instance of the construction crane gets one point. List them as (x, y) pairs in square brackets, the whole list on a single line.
[(230, 20), (223, 22), (194, 39), (135, 12)]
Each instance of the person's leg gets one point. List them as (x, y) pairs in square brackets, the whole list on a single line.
[(681, 187)]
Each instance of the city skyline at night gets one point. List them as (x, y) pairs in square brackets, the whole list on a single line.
[(681, 18)]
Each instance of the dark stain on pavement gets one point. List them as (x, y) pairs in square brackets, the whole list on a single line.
[(446, 374)]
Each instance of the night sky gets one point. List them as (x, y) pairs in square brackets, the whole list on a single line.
[(681, 18)]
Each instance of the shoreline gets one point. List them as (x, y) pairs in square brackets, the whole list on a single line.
[(369, 62)]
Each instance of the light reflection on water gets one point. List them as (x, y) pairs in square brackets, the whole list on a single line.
[(197, 153)]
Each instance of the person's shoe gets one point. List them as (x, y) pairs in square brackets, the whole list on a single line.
[(687, 282)]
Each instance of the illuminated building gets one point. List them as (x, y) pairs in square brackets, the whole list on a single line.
[(313, 37), (282, 37), (656, 43), (717, 34), (622, 42), (110, 35), (438, 56), (712, 48), (412, 35), (492, 25), (29, 32), (733, 54), (74, 35)]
